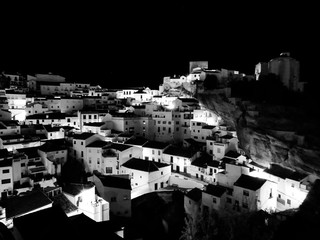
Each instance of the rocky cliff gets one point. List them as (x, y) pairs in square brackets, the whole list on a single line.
[(270, 133)]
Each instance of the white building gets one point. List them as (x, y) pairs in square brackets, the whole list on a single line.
[(83, 196), (9, 127), (17, 105), (179, 158), (116, 190), (153, 150), (292, 186), (253, 194), (205, 168), (80, 142), (53, 132), (54, 119), (106, 157), (206, 116), (54, 155), (214, 197), (6, 176), (192, 202), (35, 108), (146, 176)]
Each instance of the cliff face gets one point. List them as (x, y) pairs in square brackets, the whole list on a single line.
[(270, 134)]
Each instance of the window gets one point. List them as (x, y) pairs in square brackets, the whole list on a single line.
[(23, 164), (164, 128), (214, 200), (158, 152), (5, 171), (164, 122), (108, 169), (210, 151), (211, 143), (289, 201), (218, 150), (229, 200), (84, 116), (177, 129), (245, 205), (95, 116), (81, 153), (177, 122), (5, 181), (89, 160), (152, 151), (161, 172), (169, 122), (292, 185), (245, 193), (81, 143), (98, 160)]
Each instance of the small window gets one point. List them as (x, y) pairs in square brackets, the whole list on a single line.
[(5, 171), (214, 200), (5, 181), (289, 201), (245, 193)]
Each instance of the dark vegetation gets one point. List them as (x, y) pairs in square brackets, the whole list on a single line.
[(157, 215)]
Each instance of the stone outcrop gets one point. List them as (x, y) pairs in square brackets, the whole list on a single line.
[(269, 134)]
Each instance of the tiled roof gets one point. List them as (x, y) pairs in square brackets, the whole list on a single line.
[(94, 124), (215, 164), (118, 146), (9, 137), (156, 145), (136, 141), (19, 205), (143, 165), (76, 188), (282, 172), (53, 145), (202, 161), (215, 190), (98, 144), (83, 136), (49, 128), (195, 194), (4, 153), (248, 182), (6, 163), (115, 182), (208, 127), (50, 223), (178, 151)]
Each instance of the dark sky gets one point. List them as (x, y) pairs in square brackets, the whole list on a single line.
[(124, 44)]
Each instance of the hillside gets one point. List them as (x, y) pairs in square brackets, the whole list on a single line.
[(270, 133)]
